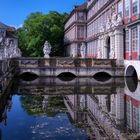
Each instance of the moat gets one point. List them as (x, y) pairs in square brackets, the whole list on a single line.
[(58, 109)]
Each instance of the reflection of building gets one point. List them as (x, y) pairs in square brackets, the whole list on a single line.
[(133, 108), (109, 24), (104, 114), (5, 105), (133, 113)]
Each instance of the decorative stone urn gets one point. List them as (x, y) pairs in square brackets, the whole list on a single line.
[(47, 49)]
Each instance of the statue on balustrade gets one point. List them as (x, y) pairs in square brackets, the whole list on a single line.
[(47, 49), (83, 50), (112, 53), (119, 20)]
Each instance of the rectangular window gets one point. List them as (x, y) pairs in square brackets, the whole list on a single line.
[(134, 7), (127, 3), (80, 32), (134, 39), (80, 15), (127, 41), (120, 8)]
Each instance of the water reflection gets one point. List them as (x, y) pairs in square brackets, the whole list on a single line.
[(55, 86), (43, 105), (83, 108), (28, 76), (131, 83)]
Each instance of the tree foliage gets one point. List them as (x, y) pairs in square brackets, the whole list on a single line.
[(37, 29)]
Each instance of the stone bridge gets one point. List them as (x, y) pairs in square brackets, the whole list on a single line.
[(79, 67)]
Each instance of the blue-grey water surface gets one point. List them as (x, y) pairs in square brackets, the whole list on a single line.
[(80, 109)]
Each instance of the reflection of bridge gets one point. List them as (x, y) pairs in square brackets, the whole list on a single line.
[(54, 86), (77, 66)]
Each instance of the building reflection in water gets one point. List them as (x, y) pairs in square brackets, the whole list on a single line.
[(109, 116), (106, 110), (104, 114), (5, 98)]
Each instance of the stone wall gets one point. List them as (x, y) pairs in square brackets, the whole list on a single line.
[(77, 66)]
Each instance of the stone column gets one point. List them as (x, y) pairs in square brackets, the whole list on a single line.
[(112, 46), (138, 42), (119, 44), (113, 104), (98, 48), (130, 42), (120, 105), (102, 47)]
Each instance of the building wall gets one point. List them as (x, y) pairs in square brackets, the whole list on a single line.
[(70, 21), (8, 42), (124, 40), (71, 33), (75, 33)]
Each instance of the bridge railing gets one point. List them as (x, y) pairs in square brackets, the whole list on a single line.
[(64, 62)]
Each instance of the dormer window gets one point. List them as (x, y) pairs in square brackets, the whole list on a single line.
[(80, 16)]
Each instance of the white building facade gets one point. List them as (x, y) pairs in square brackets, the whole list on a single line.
[(112, 31), (75, 31), (8, 42)]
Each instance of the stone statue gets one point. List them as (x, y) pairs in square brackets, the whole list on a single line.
[(47, 49), (119, 20), (114, 19), (83, 50), (73, 51), (102, 28), (108, 24), (1, 39), (112, 53), (99, 53), (16, 52)]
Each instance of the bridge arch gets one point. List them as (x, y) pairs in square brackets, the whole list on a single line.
[(29, 72), (102, 76), (131, 84), (104, 72), (28, 76), (131, 71), (66, 74)]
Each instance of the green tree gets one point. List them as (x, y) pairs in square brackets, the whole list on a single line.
[(37, 29)]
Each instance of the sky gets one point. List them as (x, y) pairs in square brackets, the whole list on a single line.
[(14, 12)]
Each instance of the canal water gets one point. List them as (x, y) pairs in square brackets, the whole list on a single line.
[(70, 109)]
